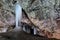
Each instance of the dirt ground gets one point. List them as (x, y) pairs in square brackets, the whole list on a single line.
[(22, 36)]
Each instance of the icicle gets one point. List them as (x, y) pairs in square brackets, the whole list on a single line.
[(18, 12), (28, 30), (4, 30), (24, 29), (35, 31)]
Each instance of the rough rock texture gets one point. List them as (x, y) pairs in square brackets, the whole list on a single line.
[(7, 17), (44, 14)]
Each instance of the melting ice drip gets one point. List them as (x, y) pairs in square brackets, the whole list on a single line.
[(4, 29), (29, 30), (35, 31), (18, 12)]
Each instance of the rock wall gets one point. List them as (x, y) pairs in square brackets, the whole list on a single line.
[(43, 13), (7, 17)]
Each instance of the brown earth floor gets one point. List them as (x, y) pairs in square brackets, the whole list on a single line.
[(23, 36)]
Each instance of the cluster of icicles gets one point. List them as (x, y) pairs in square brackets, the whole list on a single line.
[(18, 12)]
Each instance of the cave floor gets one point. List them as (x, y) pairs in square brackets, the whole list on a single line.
[(22, 36)]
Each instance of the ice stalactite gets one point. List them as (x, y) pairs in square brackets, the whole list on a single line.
[(18, 12)]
